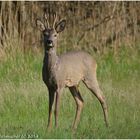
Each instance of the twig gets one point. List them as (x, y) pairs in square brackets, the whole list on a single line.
[(106, 19)]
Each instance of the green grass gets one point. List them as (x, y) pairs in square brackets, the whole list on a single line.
[(24, 99)]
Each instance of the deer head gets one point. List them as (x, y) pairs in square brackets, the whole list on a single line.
[(50, 34)]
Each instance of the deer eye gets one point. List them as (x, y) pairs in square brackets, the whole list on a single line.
[(55, 35)]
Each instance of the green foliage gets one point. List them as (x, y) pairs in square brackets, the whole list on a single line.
[(24, 99)]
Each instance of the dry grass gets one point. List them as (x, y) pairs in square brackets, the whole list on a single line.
[(123, 28)]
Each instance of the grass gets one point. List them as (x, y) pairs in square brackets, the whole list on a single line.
[(24, 99)]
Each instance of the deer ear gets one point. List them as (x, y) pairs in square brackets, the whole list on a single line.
[(59, 27), (40, 25)]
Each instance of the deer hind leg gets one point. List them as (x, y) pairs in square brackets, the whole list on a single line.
[(79, 102), (93, 86)]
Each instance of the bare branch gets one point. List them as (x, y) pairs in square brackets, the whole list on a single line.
[(106, 19)]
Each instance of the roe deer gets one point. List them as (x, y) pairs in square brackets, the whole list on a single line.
[(67, 70)]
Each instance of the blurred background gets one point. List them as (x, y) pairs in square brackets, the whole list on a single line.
[(90, 25)]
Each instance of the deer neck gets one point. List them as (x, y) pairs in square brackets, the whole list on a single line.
[(50, 59)]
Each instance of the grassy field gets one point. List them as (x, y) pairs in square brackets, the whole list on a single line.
[(24, 99)]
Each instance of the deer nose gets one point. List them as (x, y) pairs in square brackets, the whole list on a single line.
[(49, 41)]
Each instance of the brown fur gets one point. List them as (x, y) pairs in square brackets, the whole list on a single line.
[(68, 70)]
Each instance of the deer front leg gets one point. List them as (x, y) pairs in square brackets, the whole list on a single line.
[(57, 105), (51, 101)]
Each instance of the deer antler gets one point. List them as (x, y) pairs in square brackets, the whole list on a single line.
[(46, 17), (55, 18)]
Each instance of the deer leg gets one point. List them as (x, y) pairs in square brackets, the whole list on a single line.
[(51, 101), (57, 105), (79, 102), (93, 86)]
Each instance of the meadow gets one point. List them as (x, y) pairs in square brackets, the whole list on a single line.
[(24, 98)]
